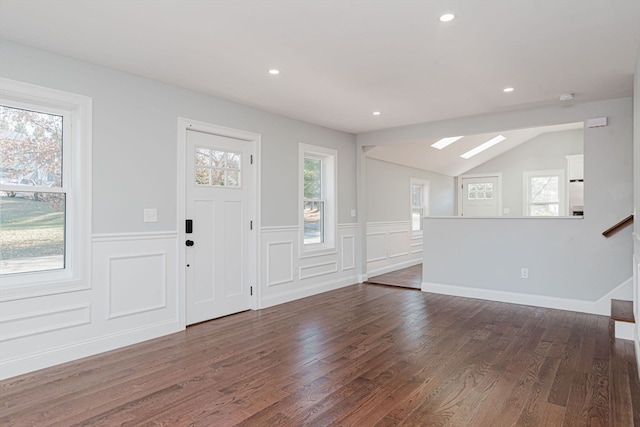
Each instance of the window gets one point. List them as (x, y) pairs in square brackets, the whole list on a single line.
[(44, 186), (419, 202), (544, 193), (217, 168), (318, 196), (481, 191)]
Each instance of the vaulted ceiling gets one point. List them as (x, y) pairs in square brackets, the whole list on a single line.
[(340, 61)]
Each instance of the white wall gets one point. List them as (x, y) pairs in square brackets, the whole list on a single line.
[(390, 241), (568, 259), (571, 265), (134, 287), (388, 191), (544, 152)]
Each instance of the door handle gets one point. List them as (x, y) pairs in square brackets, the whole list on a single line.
[(189, 243)]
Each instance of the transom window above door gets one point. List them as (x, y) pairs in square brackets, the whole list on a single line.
[(217, 168)]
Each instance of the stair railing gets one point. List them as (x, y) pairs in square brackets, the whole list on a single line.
[(619, 226)]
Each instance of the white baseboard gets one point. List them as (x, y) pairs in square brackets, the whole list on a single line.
[(393, 267), (637, 345), (308, 291), (602, 306), (624, 330), (44, 359)]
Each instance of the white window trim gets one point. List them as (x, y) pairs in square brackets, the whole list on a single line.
[(77, 151), (330, 196), (425, 201), (562, 200)]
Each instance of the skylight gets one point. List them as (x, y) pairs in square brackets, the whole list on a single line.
[(480, 148), (444, 142)]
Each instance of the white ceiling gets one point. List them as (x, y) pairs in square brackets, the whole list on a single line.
[(342, 60), (421, 155)]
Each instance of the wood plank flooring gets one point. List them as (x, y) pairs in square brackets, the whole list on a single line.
[(363, 355), (410, 277)]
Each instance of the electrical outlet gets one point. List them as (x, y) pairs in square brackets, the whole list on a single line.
[(524, 273)]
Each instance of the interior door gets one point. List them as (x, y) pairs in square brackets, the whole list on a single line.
[(217, 200), (480, 196)]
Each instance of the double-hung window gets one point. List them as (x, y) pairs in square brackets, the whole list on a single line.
[(44, 188), (318, 197), (544, 193), (419, 202)]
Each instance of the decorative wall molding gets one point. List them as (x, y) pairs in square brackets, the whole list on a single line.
[(391, 245), (294, 294), (151, 279), (121, 237), (398, 243), (42, 321), (279, 262), (319, 269), (376, 247), (286, 274), (279, 228), (348, 250), (66, 352)]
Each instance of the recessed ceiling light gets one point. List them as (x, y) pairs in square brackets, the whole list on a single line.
[(480, 148), (508, 89), (376, 113), (444, 142), (274, 71), (447, 17)]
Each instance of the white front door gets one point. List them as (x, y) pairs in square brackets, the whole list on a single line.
[(218, 180), (480, 196)]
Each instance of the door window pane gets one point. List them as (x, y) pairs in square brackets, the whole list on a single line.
[(217, 168), (482, 191)]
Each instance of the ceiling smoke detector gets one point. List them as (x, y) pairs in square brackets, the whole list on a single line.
[(566, 97)]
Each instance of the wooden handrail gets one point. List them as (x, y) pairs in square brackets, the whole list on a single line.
[(608, 232)]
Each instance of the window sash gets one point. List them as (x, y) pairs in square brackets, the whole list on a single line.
[(76, 186), (318, 188)]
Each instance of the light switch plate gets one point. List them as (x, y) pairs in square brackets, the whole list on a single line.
[(151, 215)]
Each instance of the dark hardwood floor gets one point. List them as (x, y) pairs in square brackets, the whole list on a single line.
[(363, 355), (410, 277)]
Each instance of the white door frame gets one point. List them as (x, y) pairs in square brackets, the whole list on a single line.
[(254, 207), (480, 175)]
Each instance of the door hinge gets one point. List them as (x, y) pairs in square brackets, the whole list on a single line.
[(251, 157), (250, 290), (250, 225)]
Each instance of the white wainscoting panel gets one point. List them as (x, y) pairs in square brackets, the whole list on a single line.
[(348, 251), (286, 276), (43, 321), (376, 246), (136, 283), (132, 297), (399, 243), (416, 243), (391, 246), (279, 262), (315, 270)]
